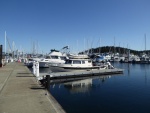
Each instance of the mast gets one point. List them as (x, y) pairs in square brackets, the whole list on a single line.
[(99, 45), (13, 49), (88, 45), (84, 46), (91, 46), (5, 42), (119, 49), (77, 47), (114, 47), (145, 43)]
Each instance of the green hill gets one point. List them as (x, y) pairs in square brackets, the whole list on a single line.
[(112, 49)]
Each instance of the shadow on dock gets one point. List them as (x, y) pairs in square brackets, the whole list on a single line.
[(24, 76), (24, 73), (37, 88)]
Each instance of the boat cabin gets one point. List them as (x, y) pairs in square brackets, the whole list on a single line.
[(78, 63)]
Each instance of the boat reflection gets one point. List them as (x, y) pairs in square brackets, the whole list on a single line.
[(80, 85)]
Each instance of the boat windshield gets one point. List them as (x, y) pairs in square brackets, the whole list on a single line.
[(63, 58), (54, 57), (68, 62), (47, 57)]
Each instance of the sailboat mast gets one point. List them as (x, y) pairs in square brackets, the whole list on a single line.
[(145, 43), (114, 47), (5, 42), (99, 45), (13, 46)]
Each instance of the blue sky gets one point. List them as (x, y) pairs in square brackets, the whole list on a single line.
[(53, 24)]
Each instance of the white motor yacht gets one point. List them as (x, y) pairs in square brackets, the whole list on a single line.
[(54, 58), (76, 65)]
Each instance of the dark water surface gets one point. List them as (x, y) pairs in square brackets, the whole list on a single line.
[(125, 93)]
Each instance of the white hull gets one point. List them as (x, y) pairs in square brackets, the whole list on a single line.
[(69, 69), (76, 65)]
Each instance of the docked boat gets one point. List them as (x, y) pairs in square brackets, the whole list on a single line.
[(29, 61), (145, 59), (55, 57), (78, 64)]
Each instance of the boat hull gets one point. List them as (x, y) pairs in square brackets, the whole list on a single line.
[(69, 69)]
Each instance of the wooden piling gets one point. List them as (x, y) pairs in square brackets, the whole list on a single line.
[(47, 82), (1, 55)]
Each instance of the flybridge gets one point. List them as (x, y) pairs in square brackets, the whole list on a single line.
[(54, 50)]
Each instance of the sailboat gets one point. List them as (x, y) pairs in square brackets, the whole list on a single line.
[(145, 58)]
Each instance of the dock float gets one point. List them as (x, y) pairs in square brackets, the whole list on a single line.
[(91, 72), (21, 92)]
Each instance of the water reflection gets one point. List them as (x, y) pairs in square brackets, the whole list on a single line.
[(128, 93), (79, 85)]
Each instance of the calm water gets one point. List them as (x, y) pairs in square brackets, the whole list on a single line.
[(125, 93)]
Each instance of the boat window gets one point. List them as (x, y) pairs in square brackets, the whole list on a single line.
[(68, 62), (54, 57), (63, 58), (76, 62), (47, 57), (89, 61), (83, 62)]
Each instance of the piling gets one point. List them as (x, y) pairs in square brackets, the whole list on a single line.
[(37, 69), (47, 82), (1, 56)]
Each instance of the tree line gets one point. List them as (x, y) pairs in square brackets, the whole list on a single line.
[(112, 49)]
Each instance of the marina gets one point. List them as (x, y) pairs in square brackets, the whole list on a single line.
[(74, 56), (120, 93), (108, 85), (20, 80)]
